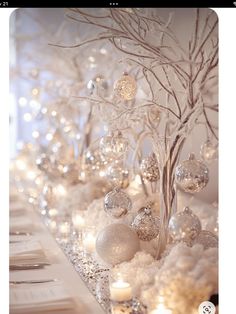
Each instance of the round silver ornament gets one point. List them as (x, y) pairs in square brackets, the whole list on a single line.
[(146, 226), (184, 226), (149, 168), (117, 243), (207, 239), (126, 87), (113, 146), (117, 203), (209, 151), (118, 175), (192, 175)]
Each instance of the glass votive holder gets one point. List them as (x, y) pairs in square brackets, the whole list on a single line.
[(89, 240), (120, 294)]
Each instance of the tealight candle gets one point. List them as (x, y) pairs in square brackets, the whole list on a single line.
[(64, 228), (161, 309), (120, 291), (89, 243), (78, 220)]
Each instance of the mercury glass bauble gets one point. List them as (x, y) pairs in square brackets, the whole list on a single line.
[(184, 226), (126, 87), (207, 239), (113, 146), (209, 151), (117, 203), (192, 175), (146, 226), (117, 243), (149, 168)]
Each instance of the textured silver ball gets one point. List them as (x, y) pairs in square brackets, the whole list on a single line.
[(126, 87), (184, 226), (209, 151), (192, 175), (146, 226), (113, 146), (117, 243), (149, 168), (207, 239), (117, 203), (118, 175)]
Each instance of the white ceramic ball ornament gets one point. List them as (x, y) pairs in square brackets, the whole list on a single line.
[(117, 243)]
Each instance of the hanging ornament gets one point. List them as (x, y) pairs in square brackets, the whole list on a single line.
[(207, 239), (209, 151), (93, 160), (184, 226), (149, 168), (192, 175), (113, 146), (117, 203), (126, 87), (118, 175), (117, 243), (146, 226)]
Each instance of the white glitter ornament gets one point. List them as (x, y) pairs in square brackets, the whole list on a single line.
[(113, 146), (146, 226), (117, 243), (209, 151), (192, 175), (149, 168), (117, 203), (126, 87), (207, 239), (184, 226)]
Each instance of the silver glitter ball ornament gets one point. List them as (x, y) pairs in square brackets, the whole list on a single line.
[(146, 226), (117, 203), (184, 226), (117, 243), (192, 175), (126, 87), (118, 175), (207, 239), (149, 168), (209, 151)]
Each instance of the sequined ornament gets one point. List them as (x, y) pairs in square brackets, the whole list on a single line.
[(126, 87), (118, 175), (146, 226), (113, 146), (207, 239), (117, 203), (149, 168), (192, 175), (117, 243), (209, 151), (184, 226)]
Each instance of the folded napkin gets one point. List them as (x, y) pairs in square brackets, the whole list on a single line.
[(27, 252), (41, 298)]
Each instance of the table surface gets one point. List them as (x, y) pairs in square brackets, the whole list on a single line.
[(60, 268)]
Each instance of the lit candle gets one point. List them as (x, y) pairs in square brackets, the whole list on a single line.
[(120, 291), (89, 243), (78, 220), (161, 309), (64, 228)]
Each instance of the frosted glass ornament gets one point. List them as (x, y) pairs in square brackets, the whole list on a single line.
[(149, 168), (117, 243), (209, 151), (207, 239), (118, 175), (117, 203), (192, 175), (126, 87), (113, 146), (184, 226), (146, 226)]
